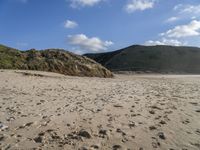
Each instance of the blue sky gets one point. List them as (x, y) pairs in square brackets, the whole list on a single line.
[(98, 25)]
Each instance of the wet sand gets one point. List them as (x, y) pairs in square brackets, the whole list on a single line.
[(40, 110)]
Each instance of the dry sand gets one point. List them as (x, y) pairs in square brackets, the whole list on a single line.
[(41, 110)]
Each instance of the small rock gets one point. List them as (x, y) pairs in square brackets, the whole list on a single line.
[(28, 124), (10, 119), (83, 148), (42, 101), (1, 137), (117, 105), (198, 131), (3, 127), (85, 134), (41, 134), (95, 146), (156, 107), (132, 124), (194, 103), (162, 122), (161, 135), (198, 110), (116, 147), (38, 139), (152, 112), (152, 128), (120, 131), (103, 132)]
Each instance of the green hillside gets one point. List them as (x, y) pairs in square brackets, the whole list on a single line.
[(160, 59), (52, 60)]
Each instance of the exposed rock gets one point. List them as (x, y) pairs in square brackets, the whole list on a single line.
[(84, 133), (162, 122), (95, 146), (103, 132), (38, 139), (118, 105), (83, 148), (116, 147), (198, 110), (152, 128), (152, 112), (3, 127), (1, 137), (161, 135)]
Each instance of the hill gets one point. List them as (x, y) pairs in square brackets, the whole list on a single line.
[(52, 60), (159, 59)]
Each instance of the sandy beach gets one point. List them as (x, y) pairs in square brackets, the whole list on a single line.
[(40, 110)]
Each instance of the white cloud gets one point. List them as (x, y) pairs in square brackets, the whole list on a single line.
[(181, 31), (165, 41), (189, 9), (141, 5), (185, 11), (83, 3), (93, 44), (70, 24), (172, 19)]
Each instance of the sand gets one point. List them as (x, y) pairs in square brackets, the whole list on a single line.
[(40, 110)]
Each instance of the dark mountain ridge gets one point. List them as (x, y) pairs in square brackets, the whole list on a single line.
[(158, 59)]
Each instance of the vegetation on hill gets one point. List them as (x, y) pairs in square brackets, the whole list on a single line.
[(52, 60), (160, 59)]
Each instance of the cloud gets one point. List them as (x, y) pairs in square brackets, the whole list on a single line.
[(83, 3), (165, 41), (189, 9), (70, 24), (185, 11), (172, 19), (182, 31), (93, 44), (141, 5)]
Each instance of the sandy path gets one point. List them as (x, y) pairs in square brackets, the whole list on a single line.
[(49, 111)]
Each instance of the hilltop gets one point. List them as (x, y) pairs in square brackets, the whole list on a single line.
[(52, 60)]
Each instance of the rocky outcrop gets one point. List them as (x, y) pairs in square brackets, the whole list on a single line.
[(52, 60)]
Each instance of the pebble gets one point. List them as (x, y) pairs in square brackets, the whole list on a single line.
[(198, 110), (95, 146), (161, 135), (1, 137), (83, 148), (117, 105), (152, 128), (3, 127), (116, 147), (162, 122), (152, 112), (84, 133), (38, 139)]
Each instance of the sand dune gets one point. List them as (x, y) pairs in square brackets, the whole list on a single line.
[(40, 110)]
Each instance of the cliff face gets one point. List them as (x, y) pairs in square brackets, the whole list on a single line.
[(52, 60)]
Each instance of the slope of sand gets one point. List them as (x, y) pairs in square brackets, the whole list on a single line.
[(41, 110)]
